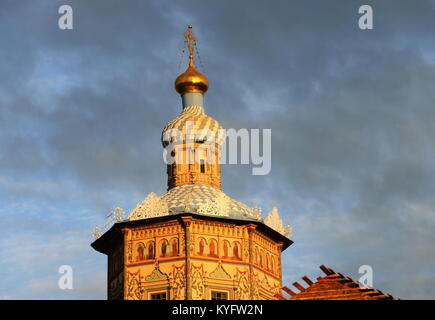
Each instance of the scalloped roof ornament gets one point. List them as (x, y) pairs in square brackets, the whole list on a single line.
[(274, 221), (215, 207), (256, 213), (152, 206), (118, 214), (203, 200), (97, 232)]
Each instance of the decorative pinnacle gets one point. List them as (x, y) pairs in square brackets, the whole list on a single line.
[(191, 41)]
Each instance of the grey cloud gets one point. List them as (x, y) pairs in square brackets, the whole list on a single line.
[(350, 111)]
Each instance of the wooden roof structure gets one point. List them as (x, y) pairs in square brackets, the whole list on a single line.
[(333, 286)]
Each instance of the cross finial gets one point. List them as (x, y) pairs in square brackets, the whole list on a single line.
[(191, 41)]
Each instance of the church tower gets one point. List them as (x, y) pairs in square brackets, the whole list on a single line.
[(194, 242), (195, 138)]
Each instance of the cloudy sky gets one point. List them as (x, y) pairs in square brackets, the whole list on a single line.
[(351, 111)]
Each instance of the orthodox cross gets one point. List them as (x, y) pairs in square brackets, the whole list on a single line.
[(191, 41)]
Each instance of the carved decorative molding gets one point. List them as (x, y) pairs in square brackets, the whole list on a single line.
[(242, 290), (254, 285), (220, 273), (197, 282), (156, 275), (134, 287), (265, 284), (179, 284), (152, 206), (129, 252)]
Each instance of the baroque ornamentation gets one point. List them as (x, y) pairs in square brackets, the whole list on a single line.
[(118, 214), (215, 207), (187, 202), (197, 284), (134, 288), (152, 206), (157, 275), (192, 244), (182, 244), (97, 232), (129, 252), (114, 216), (274, 221), (220, 273), (288, 231), (256, 213), (242, 290), (265, 284), (245, 250), (254, 286), (179, 286)]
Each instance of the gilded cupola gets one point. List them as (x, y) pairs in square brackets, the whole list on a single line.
[(193, 139), (191, 80)]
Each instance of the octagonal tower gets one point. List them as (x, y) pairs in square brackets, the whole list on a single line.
[(194, 242)]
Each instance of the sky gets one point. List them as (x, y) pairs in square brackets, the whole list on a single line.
[(351, 113)]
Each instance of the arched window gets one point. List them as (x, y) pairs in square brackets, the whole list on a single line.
[(140, 252), (261, 258), (201, 247), (212, 248), (164, 248), (236, 250), (267, 262), (272, 264), (174, 247), (151, 250), (225, 249)]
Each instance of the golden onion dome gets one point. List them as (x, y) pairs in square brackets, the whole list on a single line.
[(191, 80)]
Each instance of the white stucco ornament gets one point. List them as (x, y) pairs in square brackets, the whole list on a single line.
[(274, 221), (152, 206), (256, 213), (118, 214), (97, 232), (215, 207)]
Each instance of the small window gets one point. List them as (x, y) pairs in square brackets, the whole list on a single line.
[(202, 166), (219, 295), (164, 248), (158, 296), (151, 250)]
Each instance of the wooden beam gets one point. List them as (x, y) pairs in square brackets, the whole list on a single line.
[(299, 286), (326, 270), (307, 280), (289, 291)]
